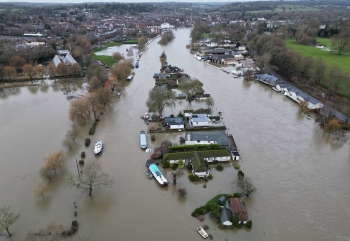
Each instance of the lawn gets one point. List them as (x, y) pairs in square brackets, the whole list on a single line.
[(331, 58), (105, 58)]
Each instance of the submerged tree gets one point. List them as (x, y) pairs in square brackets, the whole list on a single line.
[(40, 189), (247, 186), (69, 138), (7, 219), (91, 176), (190, 87), (79, 111), (159, 98), (56, 161)]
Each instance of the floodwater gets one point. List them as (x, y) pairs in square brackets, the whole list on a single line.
[(300, 172)]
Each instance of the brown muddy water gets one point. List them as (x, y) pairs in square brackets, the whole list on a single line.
[(302, 175)]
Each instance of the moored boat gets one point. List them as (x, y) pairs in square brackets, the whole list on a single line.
[(130, 77), (149, 174), (202, 232), (143, 140), (137, 64), (98, 147), (157, 174)]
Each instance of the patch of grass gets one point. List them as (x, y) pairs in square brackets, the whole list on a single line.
[(112, 44), (131, 41), (330, 58), (207, 35), (324, 41)]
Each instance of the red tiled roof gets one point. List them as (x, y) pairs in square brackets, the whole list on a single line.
[(238, 209)]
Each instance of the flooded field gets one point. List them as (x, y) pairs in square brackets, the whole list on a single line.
[(301, 174)]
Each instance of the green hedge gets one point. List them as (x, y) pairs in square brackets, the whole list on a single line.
[(173, 149)]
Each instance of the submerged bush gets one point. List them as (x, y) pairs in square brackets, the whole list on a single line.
[(219, 168), (87, 141), (249, 224), (236, 166)]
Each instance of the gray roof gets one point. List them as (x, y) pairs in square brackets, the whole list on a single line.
[(219, 136), (174, 120), (200, 118), (267, 77), (225, 215)]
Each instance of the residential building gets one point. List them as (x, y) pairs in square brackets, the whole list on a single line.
[(238, 209), (199, 120), (174, 123)]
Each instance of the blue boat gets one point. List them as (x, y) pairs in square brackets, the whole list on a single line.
[(157, 174), (137, 64), (143, 140)]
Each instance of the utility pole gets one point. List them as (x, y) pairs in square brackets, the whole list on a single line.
[(77, 167)]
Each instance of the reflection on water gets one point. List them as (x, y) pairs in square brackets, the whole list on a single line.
[(299, 171)]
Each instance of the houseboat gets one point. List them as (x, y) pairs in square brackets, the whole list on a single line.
[(157, 174), (130, 77), (137, 64), (143, 140), (140, 54)]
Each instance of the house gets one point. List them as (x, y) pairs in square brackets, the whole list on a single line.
[(212, 137), (267, 79), (198, 159), (226, 216), (199, 120), (238, 209), (174, 123), (63, 56), (188, 113)]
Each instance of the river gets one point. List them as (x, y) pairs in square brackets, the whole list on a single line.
[(301, 174)]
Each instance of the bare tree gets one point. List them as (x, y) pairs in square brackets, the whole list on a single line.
[(341, 41), (40, 71), (247, 186), (56, 161), (79, 111), (54, 232), (141, 42), (10, 72), (248, 75), (40, 189), (162, 58), (94, 83), (69, 138), (91, 176), (76, 69), (7, 219), (61, 69), (45, 172), (104, 96), (52, 69), (319, 70), (117, 56), (159, 98), (95, 105), (28, 69), (264, 63), (210, 102), (122, 69), (17, 62), (190, 87)]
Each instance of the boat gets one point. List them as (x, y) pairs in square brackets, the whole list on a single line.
[(98, 147), (149, 174), (143, 140), (140, 54), (308, 117), (137, 64), (130, 77), (202, 232), (119, 94), (277, 88), (157, 174)]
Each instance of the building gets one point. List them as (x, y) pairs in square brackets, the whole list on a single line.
[(198, 159), (174, 123), (267, 79), (63, 56), (238, 209), (198, 120), (226, 216)]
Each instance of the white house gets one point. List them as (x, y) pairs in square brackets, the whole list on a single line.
[(63, 56), (200, 120), (174, 123)]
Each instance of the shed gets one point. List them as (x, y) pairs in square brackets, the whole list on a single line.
[(222, 201), (226, 216)]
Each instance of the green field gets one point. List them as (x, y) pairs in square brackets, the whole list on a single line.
[(105, 58), (330, 58), (288, 8)]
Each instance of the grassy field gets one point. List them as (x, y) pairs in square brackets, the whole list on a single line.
[(331, 58), (289, 8), (104, 58)]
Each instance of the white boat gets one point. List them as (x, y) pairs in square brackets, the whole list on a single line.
[(119, 94), (277, 88), (202, 232), (158, 175), (308, 117), (98, 147), (143, 140), (130, 77)]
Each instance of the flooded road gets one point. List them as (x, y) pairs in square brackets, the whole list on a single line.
[(301, 174)]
